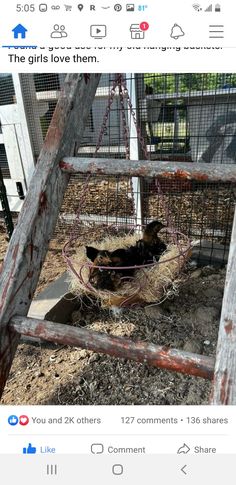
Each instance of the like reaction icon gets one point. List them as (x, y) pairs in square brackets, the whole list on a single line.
[(13, 420)]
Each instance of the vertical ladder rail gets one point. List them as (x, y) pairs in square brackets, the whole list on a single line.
[(224, 383), (29, 243)]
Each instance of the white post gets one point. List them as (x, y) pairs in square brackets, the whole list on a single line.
[(134, 145), (22, 131)]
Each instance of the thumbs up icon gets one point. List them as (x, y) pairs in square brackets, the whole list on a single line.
[(30, 450), (13, 420)]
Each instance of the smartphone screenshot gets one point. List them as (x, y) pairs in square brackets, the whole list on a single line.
[(117, 242)]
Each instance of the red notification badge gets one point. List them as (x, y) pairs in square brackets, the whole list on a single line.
[(144, 26)]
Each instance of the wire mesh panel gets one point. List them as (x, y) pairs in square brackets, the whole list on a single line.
[(40, 93), (109, 200), (7, 90), (189, 117), (4, 162), (202, 211), (181, 117)]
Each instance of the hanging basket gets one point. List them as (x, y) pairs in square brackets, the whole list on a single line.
[(151, 283)]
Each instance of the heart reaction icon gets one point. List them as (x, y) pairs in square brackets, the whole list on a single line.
[(23, 420)]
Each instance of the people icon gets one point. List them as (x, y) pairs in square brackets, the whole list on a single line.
[(63, 32), (58, 32)]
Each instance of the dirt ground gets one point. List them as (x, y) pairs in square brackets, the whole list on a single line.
[(51, 374)]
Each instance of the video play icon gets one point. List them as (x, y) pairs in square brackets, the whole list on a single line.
[(98, 31)]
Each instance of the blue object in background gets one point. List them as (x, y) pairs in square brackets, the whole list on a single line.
[(30, 450)]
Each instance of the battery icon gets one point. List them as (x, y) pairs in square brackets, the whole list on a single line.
[(43, 7)]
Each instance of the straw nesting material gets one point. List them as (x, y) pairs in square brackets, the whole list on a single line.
[(150, 284)]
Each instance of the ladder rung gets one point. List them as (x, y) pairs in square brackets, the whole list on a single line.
[(201, 172), (155, 355)]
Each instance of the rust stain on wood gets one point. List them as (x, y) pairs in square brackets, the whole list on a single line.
[(225, 388), (15, 252), (5, 289), (184, 174), (42, 202), (32, 248), (9, 280), (228, 325), (66, 166), (199, 176), (182, 365), (181, 174), (174, 175)]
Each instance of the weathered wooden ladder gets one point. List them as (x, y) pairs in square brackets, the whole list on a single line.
[(37, 220)]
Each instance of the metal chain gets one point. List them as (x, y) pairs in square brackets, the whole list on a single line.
[(126, 131), (73, 233), (106, 116)]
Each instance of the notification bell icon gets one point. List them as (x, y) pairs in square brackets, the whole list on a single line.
[(176, 31)]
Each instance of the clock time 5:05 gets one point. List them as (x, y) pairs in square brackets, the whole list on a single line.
[(26, 7)]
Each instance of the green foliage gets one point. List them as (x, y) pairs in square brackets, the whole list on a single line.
[(172, 83)]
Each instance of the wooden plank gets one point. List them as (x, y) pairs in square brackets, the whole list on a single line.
[(202, 172), (22, 130), (224, 386), (157, 356), (37, 220)]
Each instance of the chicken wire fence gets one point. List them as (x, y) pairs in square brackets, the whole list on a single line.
[(200, 210), (190, 117), (182, 117)]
